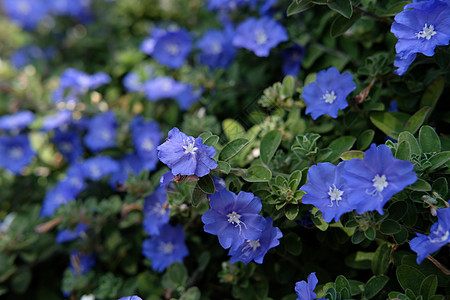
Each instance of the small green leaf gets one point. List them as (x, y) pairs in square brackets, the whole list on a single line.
[(197, 196), (429, 140), (412, 141), (390, 227), (211, 141), (352, 154), (420, 185), (386, 122), (381, 259), (298, 7), (397, 210), (440, 186), (428, 287), (344, 7), (439, 159), (410, 278), (291, 211), (294, 179), (365, 139), (193, 293), (358, 237), (269, 144), (288, 86), (341, 24), (370, 233), (403, 151), (232, 148), (206, 184), (257, 174), (223, 166), (375, 285), (205, 135), (232, 129), (339, 146), (343, 287), (433, 93), (413, 124), (293, 243)]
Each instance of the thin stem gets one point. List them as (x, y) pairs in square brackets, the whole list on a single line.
[(439, 265), (372, 15)]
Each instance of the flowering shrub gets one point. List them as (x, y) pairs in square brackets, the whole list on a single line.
[(224, 149)]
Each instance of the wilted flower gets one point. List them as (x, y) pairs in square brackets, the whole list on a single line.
[(305, 290), (439, 236), (166, 248), (101, 132), (373, 180), (17, 121), (328, 93), (259, 35), (186, 155), (15, 152), (234, 219), (156, 211)]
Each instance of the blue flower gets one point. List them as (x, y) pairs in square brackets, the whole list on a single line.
[(74, 179), (17, 121), (229, 5), (156, 211), (439, 236), (95, 168), (61, 118), (26, 13), (326, 190), (172, 48), (234, 219), (163, 87), (420, 27), (146, 136), (66, 235), (188, 95), (69, 144), (256, 249), (129, 164), (292, 60), (259, 35), (131, 298), (373, 180), (216, 48), (133, 82), (59, 195), (186, 155), (403, 63), (15, 152), (328, 93), (26, 55), (101, 132), (305, 290), (81, 263), (166, 248), (75, 8)]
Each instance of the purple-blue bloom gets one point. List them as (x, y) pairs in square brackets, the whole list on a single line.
[(74, 179), (305, 290), (163, 87), (67, 235), (259, 35), (69, 144), (166, 248), (15, 152), (26, 55), (216, 48), (81, 263), (188, 95), (95, 168), (26, 13), (328, 93), (186, 155), (172, 48), (420, 27), (257, 249), (17, 121), (131, 298), (373, 180), (59, 195), (129, 164), (439, 236), (234, 219), (146, 136), (101, 132), (326, 190), (292, 60), (61, 118), (156, 211)]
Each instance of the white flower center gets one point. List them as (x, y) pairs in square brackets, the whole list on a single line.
[(252, 244), (379, 182), (95, 171), (166, 85), (16, 152), (66, 146), (335, 195), (439, 235), (166, 248), (234, 218), (24, 8), (190, 148), (158, 209), (173, 49), (76, 182), (147, 145), (216, 48), (105, 135), (426, 33), (260, 36), (329, 97)]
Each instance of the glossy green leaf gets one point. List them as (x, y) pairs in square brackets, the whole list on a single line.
[(206, 184), (412, 141), (403, 151), (381, 260), (211, 141), (297, 7), (428, 287), (232, 148), (410, 278), (223, 166), (386, 122), (429, 140), (232, 129), (390, 227), (269, 144), (365, 139), (433, 93), (352, 154), (339, 146), (420, 185), (375, 285), (344, 7), (413, 124), (341, 24), (257, 174), (439, 159)]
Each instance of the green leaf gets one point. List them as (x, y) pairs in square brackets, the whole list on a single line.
[(420, 185), (197, 196), (293, 243), (223, 166), (357, 287), (269, 144), (294, 179), (401, 237), (370, 233), (340, 146), (410, 278), (343, 287), (298, 6), (386, 122), (318, 221), (20, 281), (206, 184), (413, 144), (193, 293), (320, 2), (381, 259), (428, 287), (257, 174), (344, 7), (403, 151), (439, 159), (352, 154), (440, 186), (358, 237), (375, 285), (211, 141), (232, 148), (365, 139), (291, 211), (390, 227), (397, 210), (232, 129), (177, 274), (429, 140), (415, 121), (205, 135), (341, 24), (433, 93), (288, 86)]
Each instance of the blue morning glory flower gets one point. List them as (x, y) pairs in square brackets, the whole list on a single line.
[(26, 13), (373, 180), (17, 121), (95, 168), (259, 35), (101, 132), (81, 263), (74, 179), (61, 118), (66, 235), (256, 249), (131, 298), (326, 190), (229, 5), (129, 164), (420, 27), (188, 96), (156, 211), (292, 60), (26, 55), (163, 87), (59, 195), (15, 152), (216, 48), (146, 136), (305, 290), (166, 248), (69, 144), (234, 219), (172, 48), (75, 8), (186, 155), (439, 236), (328, 93), (133, 82)]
